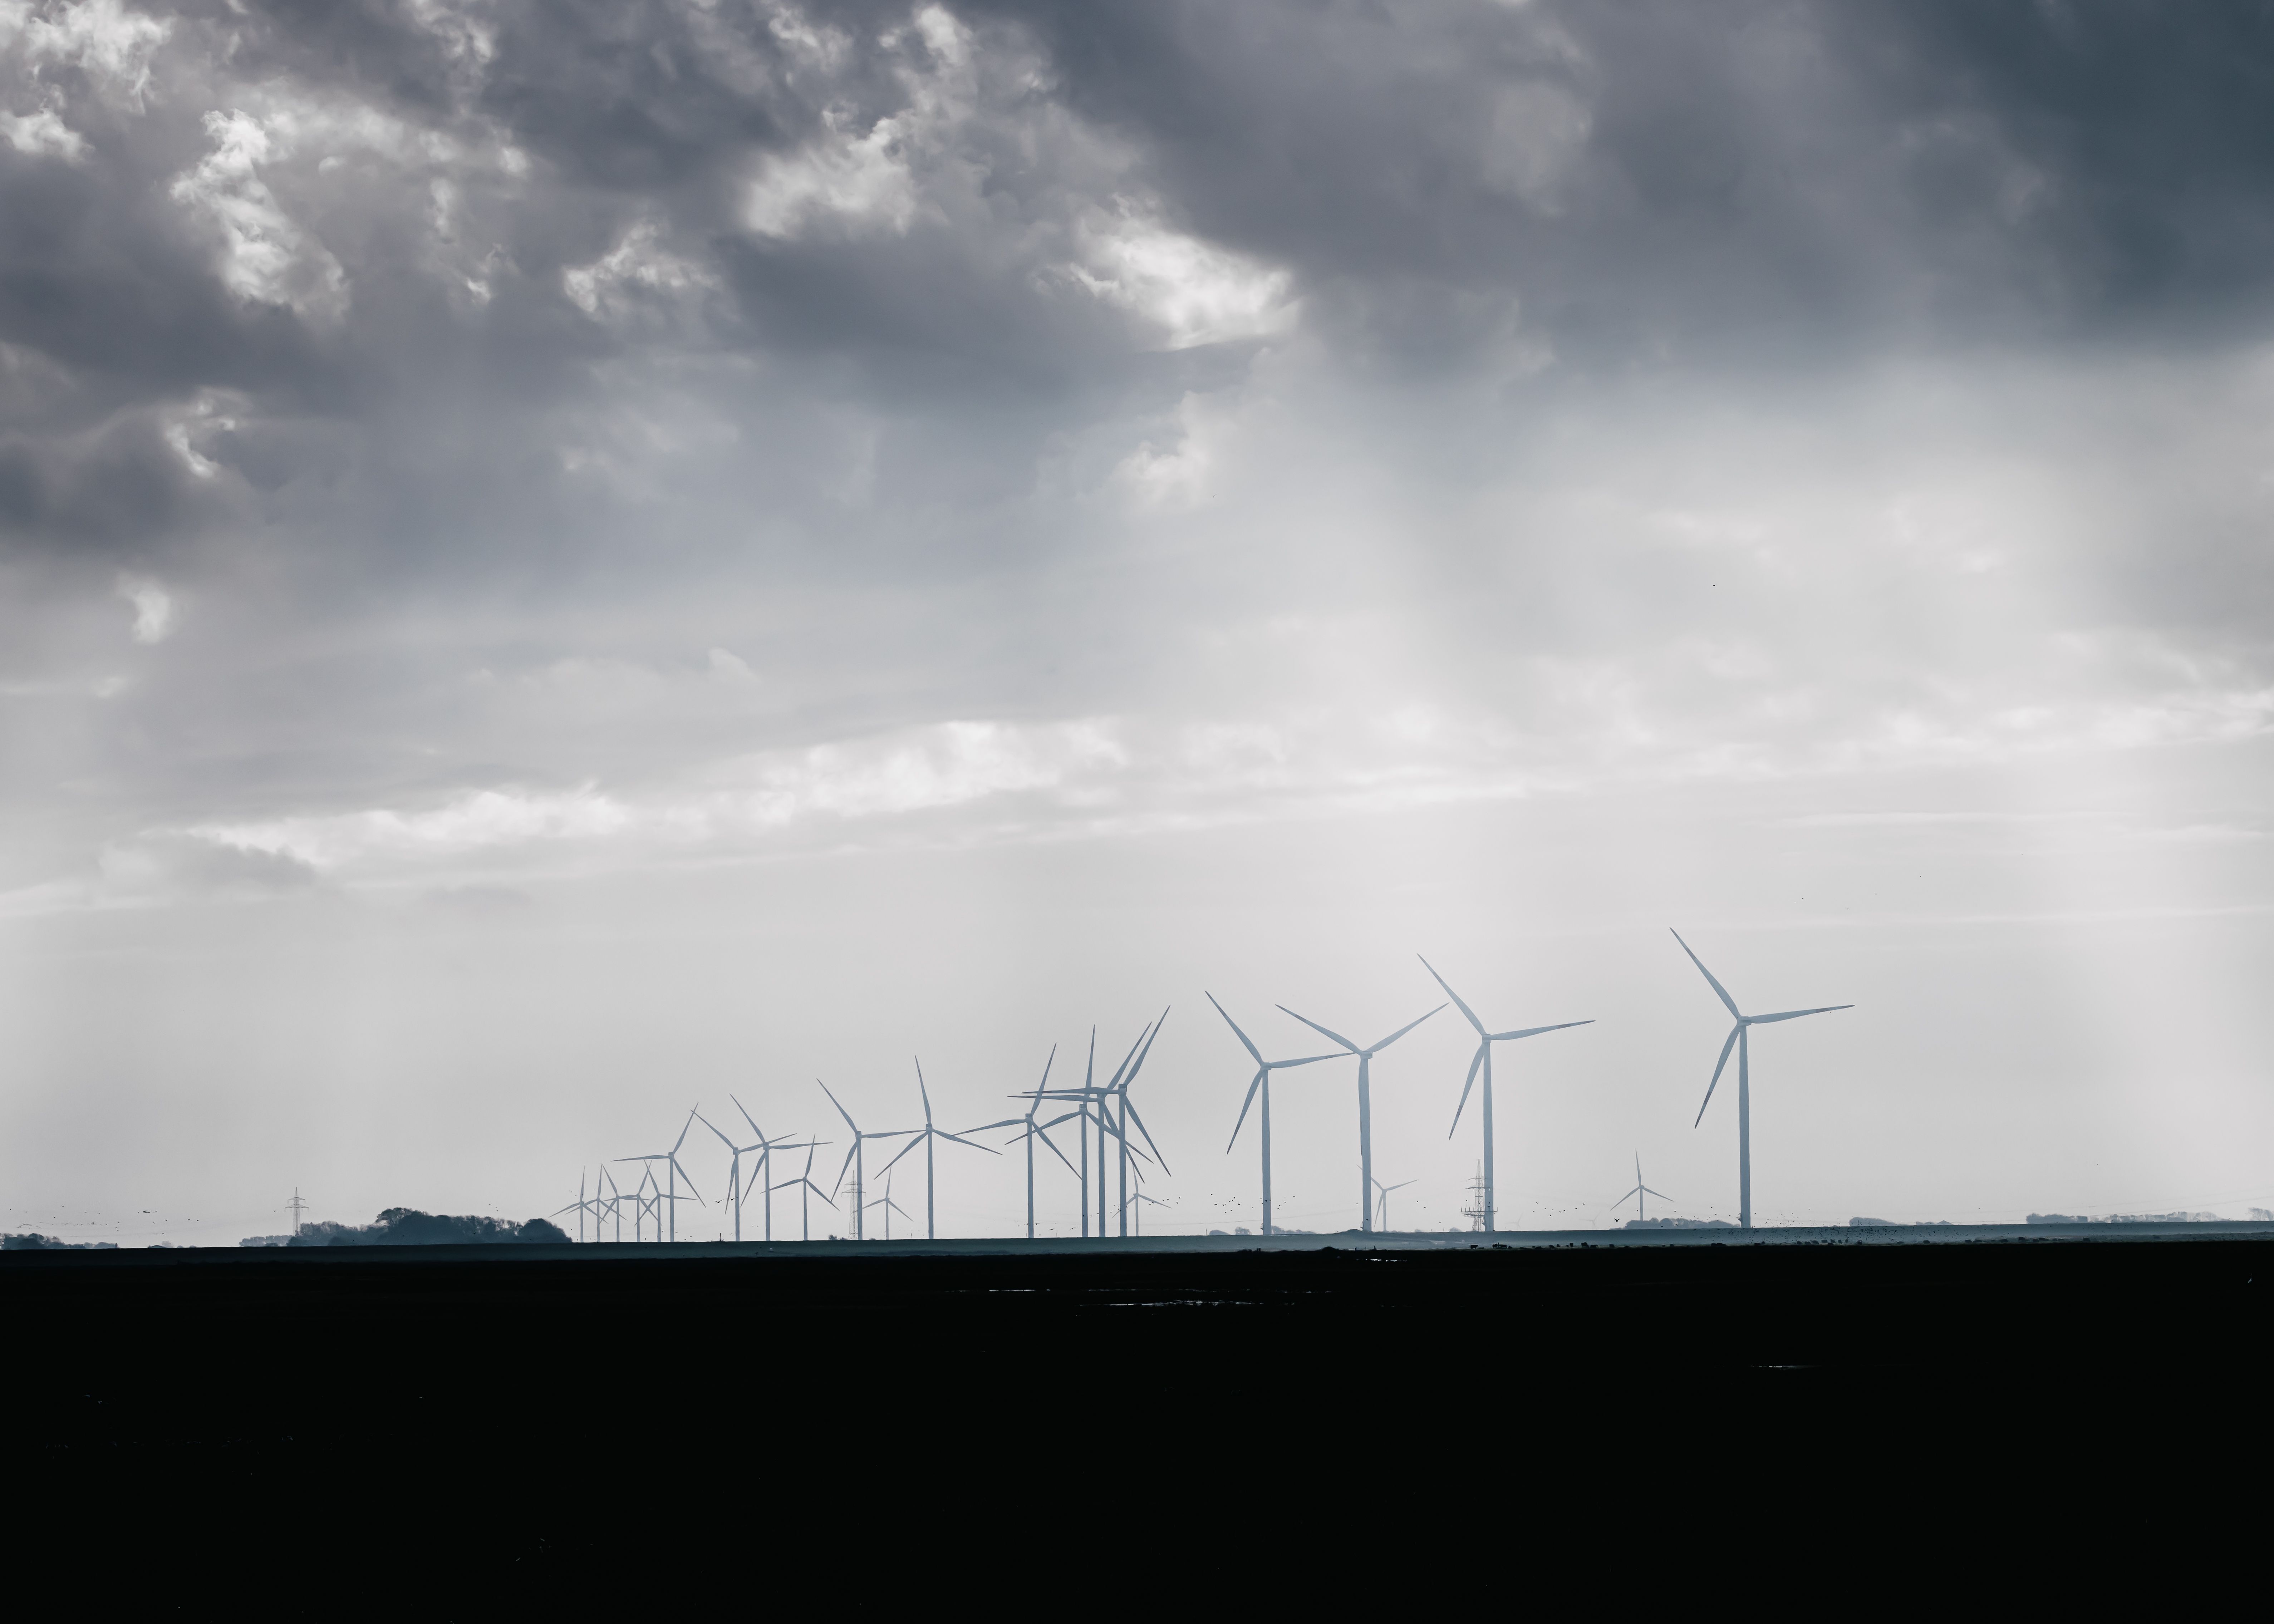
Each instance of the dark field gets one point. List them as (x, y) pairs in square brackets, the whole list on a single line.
[(526, 1407)]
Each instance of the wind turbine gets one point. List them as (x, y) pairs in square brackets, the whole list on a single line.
[(1263, 1071), (857, 1159), (670, 1159), (1381, 1194), (1093, 1104), (733, 1173), (1485, 1041), (1364, 1108), (580, 1206), (805, 1186), (1136, 1205), (1743, 1045), (766, 1148), (1636, 1195), (1119, 1088), (613, 1201), (1033, 1131), (889, 1205), (924, 1136)]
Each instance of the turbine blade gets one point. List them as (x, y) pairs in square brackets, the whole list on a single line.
[(841, 1111), (1155, 1033), (923, 1091), (1455, 996), (1727, 1044), (957, 1138), (1113, 1082), (1719, 991), (1323, 1031), (1261, 1073), (847, 1168), (746, 1117), (1055, 1151), (1763, 1020), (1661, 1194), (1235, 1032), (1281, 1065), (1142, 1129), (1483, 1048), (1533, 1032), (903, 1151), (707, 1123), (685, 1128), (1400, 1032), (1008, 1121)]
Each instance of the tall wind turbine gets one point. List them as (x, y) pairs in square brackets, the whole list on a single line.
[(1033, 1131), (765, 1169), (924, 1136), (1382, 1194), (1263, 1071), (856, 1160), (805, 1187), (1485, 1041), (673, 1172), (1743, 1045), (1118, 1089), (1364, 1108), (1092, 1105), (734, 1172), (1640, 1190)]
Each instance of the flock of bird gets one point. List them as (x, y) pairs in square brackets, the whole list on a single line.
[(1102, 1115)]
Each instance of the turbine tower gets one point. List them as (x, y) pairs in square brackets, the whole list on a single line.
[(924, 1136), (1485, 1041), (1263, 1071), (1743, 1045), (1364, 1107), (1640, 1190)]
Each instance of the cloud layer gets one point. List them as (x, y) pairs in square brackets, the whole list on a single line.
[(453, 448)]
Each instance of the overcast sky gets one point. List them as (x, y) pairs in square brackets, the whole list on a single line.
[(559, 561)]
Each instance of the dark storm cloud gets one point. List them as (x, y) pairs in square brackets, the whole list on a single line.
[(374, 268), (1683, 173)]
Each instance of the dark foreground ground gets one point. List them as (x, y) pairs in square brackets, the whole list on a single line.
[(527, 1409)]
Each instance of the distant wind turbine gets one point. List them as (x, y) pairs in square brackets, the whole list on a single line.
[(924, 1136), (580, 1206), (1737, 1037), (1382, 1194), (1483, 1059), (805, 1187), (1640, 1190), (1033, 1131), (1263, 1083), (675, 1172), (889, 1205), (856, 1159), (1364, 1107), (765, 1148), (1136, 1207)]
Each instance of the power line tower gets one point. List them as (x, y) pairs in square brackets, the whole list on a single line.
[(1479, 1206), (298, 1209)]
